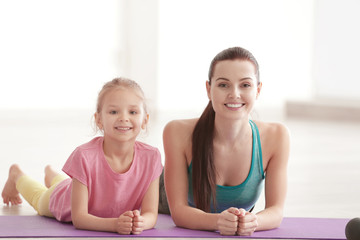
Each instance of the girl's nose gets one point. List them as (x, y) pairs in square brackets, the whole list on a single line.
[(123, 118)]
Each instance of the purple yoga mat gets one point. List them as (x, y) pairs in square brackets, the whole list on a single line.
[(291, 228)]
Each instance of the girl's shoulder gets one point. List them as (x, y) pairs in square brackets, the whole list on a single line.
[(144, 147)]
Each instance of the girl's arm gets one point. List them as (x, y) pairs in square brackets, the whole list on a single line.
[(79, 211), (176, 138), (149, 209), (276, 181), (83, 220)]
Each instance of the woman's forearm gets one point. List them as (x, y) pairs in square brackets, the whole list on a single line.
[(193, 218), (269, 218)]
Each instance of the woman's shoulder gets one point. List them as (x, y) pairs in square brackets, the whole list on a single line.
[(177, 135), (272, 128), (180, 126), (275, 140)]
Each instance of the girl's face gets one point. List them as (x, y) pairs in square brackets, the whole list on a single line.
[(122, 116), (233, 88)]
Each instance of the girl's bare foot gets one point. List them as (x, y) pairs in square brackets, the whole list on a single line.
[(50, 173), (9, 193)]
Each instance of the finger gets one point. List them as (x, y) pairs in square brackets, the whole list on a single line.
[(130, 214), (228, 231), (138, 223), (233, 210), (137, 230), (248, 225), (125, 232), (248, 217), (125, 225), (242, 212), (136, 213), (245, 232), (229, 215)]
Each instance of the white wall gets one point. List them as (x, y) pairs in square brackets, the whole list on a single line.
[(279, 33), (57, 54), (336, 49)]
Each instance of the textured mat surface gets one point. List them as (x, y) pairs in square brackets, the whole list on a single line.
[(291, 228)]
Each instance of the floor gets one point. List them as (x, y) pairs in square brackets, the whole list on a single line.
[(324, 167)]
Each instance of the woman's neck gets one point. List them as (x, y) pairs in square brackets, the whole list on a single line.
[(231, 131)]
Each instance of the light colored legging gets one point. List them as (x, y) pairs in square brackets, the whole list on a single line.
[(36, 194)]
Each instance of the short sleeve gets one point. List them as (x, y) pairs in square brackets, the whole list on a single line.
[(76, 167), (158, 167)]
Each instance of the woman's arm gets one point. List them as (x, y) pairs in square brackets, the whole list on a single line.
[(149, 209), (176, 138), (276, 179)]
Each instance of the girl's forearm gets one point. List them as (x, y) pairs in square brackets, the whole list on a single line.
[(150, 219), (93, 223)]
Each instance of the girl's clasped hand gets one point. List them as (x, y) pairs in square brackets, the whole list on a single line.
[(130, 222)]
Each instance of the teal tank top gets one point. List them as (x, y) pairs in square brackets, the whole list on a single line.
[(247, 193)]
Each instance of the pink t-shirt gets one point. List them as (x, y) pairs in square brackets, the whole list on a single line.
[(110, 193)]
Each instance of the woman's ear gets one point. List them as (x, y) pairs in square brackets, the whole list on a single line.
[(145, 122), (208, 88), (258, 90)]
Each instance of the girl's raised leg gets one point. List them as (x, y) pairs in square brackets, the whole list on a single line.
[(10, 194)]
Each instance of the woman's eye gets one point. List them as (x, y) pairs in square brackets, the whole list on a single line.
[(246, 85), (222, 85)]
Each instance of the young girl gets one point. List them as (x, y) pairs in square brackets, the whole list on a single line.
[(216, 165), (111, 177)]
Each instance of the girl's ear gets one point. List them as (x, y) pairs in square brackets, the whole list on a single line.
[(145, 122), (258, 90), (98, 121)]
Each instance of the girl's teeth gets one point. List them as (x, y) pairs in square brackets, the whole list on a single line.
[(122, 128)]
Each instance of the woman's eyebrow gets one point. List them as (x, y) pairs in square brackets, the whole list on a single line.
[(242, 79)]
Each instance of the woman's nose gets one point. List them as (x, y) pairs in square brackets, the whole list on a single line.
[(234, 93)]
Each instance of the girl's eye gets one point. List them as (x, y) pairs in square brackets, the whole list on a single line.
[(133, 112), (113, 112)]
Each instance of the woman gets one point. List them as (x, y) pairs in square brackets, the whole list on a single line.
[(215, 165)]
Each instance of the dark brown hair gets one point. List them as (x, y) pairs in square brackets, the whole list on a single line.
[(203, 168)]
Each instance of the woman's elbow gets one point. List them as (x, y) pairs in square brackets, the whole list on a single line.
[(278, 217)]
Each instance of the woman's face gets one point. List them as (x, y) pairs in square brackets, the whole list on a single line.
[(234, 89)]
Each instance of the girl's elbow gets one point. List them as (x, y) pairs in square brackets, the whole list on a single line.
[(76, 221)]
